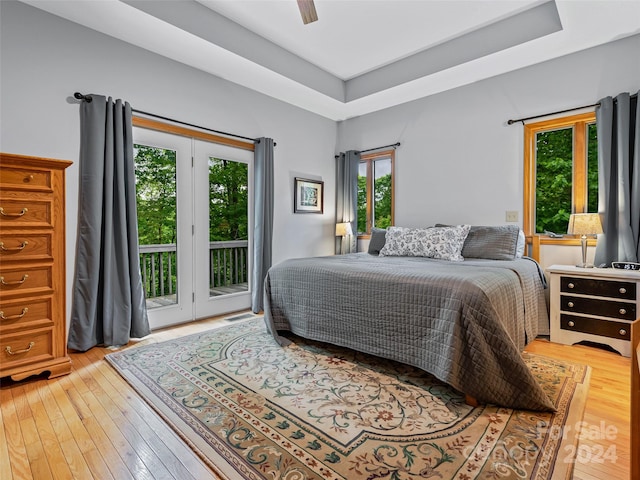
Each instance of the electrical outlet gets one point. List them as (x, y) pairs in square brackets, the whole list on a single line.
[(511, 216)]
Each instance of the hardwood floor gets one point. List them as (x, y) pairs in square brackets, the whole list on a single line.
[(91, 424)]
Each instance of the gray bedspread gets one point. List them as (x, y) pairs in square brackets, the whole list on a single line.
[(464, 322)]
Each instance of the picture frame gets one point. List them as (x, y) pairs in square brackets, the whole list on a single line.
[(308, 196)]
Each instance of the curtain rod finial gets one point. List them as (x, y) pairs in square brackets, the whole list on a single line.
[(86, 98)]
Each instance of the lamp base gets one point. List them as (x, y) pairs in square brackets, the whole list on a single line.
[(585, 265)]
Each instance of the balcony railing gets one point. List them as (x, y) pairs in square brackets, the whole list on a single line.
[(227, 268)]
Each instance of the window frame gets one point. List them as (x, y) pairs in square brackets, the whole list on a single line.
[(579, 123), (369, 159)]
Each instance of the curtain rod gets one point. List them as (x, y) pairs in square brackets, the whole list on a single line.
[(88, 99), (394, 145), (511, 122)]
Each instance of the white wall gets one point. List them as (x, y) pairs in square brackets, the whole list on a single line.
[(460, 162), (45, 59)]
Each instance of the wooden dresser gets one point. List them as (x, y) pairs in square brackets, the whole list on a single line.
[(32, 267)]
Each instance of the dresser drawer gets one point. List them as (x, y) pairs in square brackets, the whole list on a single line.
[(25, 281), (594, 326), (27, 347), (595, 306), (25, 178), (20, 247), (598, 287), (25, 313), (15, 212)]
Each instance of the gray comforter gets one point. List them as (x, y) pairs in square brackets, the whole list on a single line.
[(466, 323)]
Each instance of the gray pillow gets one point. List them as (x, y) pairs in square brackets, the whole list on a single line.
[(376, 242), (492, 242)]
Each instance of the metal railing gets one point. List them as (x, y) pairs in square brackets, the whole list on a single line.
[(228, 266)]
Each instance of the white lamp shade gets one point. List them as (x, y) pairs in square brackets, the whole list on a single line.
[(584, 224), (343, 229)]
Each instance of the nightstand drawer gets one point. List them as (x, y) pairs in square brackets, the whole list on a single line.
[(594, 326), (594, 306), (598, 287)]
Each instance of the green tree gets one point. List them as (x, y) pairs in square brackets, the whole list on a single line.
[(362, 204), (155, 170), (554, 163), (554, 177), (382, 201), (228, 200)]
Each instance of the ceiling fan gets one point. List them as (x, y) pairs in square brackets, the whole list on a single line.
[(308, 11)]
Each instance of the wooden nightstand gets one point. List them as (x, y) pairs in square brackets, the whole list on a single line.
[(595, 305)]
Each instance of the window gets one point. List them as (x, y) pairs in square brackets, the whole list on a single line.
[(560, 172), (375, 191)]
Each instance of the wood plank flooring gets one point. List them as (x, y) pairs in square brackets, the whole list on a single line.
[(91, 424)]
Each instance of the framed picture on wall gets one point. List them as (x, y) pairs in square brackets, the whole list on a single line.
[(308, 195)]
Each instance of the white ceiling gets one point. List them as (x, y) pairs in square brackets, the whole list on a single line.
[(361, 55)]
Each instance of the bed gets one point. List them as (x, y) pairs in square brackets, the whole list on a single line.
[(465, 322)]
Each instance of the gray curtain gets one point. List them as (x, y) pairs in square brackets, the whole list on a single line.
[(108, 305), (262, 220), (618, 126), (347, 164)]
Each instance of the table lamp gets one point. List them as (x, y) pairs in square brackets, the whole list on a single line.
[(584, 224), (343, 229)]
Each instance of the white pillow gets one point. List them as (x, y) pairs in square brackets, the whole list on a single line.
[(437, 242), (522, 242)]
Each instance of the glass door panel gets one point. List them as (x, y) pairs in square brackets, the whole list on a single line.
[(222, 205), (164, 208)]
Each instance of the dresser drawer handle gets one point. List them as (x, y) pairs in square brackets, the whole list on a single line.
[(17, 352), (13, 249), (16, 316), (13, 215), (571, 323), (571, 285), (17, 282), (570, 304), (622, 311), (622, 290), (622, 332)]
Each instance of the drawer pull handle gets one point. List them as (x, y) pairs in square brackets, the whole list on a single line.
[(13, 249), (570, 304), (14, 317), (623, 332), (17, 352), (622, 290), (29, 178), (622, 311), (571, 323), (13, 215), (17, 282), (571, 285)]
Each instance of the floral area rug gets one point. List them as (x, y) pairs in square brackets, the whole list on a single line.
[(255, 410)]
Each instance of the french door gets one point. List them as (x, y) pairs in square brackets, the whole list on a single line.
[(194, 205)]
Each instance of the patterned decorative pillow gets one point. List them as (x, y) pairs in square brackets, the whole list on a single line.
[(437, 242)]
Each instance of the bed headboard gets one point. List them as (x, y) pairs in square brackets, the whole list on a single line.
[(533, 247)]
